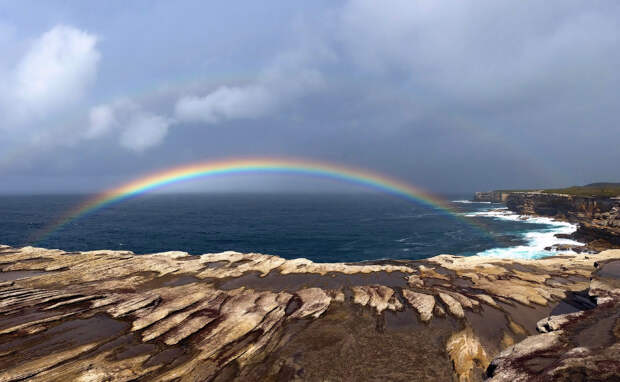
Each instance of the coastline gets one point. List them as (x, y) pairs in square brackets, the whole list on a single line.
[(230, 316), (597, 218), (537, 242)]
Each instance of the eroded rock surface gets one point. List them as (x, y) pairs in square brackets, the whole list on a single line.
[(117, 316), (580, 346), (598, 217)]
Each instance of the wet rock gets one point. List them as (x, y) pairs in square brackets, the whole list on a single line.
[(379, 297), (553, 323), (199, 330), (464, 300), (439, 311), (577, 346), (598, 218), (415, 281), (428, 272), (487, 299), (421, 302), (506, 366), (314, 302), (454, 307), (466, 353)]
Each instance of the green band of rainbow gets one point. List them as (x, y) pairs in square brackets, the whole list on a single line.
[(261, 165)]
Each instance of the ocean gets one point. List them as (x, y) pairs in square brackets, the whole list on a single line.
[(320, 227)]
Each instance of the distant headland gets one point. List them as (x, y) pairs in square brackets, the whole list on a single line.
[(594, 207)]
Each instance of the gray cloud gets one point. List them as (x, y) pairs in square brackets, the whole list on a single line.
[(138, 130), (485, 52), (448, 95), (283, 81), (144, 131)]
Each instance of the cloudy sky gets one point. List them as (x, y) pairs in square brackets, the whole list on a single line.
[(446, 95)]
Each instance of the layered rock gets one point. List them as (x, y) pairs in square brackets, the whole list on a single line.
[(598, 217), (491, 196), (580, 346), (117, 316)]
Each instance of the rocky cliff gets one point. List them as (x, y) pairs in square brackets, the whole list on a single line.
[(598, 217), (117, 316), (491, 196)]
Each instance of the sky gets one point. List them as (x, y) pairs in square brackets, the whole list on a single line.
[(449, 96)]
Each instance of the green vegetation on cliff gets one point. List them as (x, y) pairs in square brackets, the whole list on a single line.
[(602, 189), (593, 189)]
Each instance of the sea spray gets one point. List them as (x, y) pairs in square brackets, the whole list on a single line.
[(536, 241)]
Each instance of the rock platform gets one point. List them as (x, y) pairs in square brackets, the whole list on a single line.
[(118, 316)]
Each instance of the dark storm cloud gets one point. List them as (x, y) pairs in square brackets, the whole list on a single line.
[(448, 95)]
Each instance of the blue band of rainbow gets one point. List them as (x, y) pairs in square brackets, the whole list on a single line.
[(253, 165)]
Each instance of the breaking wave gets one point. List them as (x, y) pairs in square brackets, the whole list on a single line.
[(536, 241)]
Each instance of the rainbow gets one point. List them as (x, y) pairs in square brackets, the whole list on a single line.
[(253, 165)]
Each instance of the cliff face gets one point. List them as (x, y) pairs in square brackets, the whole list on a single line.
[(572, 208), (117, 316), (491, 196), (598, 217)]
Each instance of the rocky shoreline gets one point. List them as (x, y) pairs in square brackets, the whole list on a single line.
[(597, 218), (117, 316)]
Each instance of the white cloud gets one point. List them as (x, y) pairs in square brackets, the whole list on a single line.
[(139, 129), (48, 83), (43, 81), (226, 103), (143, 131), (289, 77), (55, 72)]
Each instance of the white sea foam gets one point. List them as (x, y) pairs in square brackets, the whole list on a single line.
[(536, 241), (469, 202)]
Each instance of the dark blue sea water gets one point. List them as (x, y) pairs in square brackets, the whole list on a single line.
[(320, 227)]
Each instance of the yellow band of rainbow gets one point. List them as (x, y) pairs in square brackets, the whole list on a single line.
[(254, 165)]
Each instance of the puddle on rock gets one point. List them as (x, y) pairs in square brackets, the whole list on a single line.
[(276, 281), (15, 275), (610, 270), (60, 337)]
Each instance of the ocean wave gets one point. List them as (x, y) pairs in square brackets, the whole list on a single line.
[(469, 202), (536, 241)]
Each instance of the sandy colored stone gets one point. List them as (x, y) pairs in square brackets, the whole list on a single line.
[(454, 307), (432, 273), (207, 327), (439, 311), (415, 281), (132, 304), (238, 316), (487, 299), (379, 297), (423, 303), (465, 301), (466, 353), (552, 323), (314, 302), (174, 299), (507, 340), (337, 295), (516, 328), (30, 368)]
